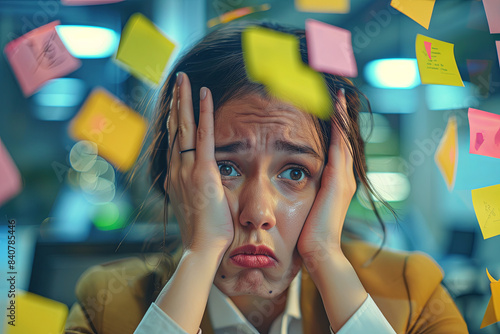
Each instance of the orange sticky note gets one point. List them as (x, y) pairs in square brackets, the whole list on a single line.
[(439, 67), (10, 179), (144, 50), (492, 313), (273, 59), (34, 314), (236, 14), (419, 11), (484, 133), (486, 203), (39, 56), (330, 49), (117, 130), (323, 6), (446, 155)]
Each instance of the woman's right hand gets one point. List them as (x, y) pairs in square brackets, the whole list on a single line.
[(194, 185)]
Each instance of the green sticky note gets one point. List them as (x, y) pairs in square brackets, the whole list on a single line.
[(273, 59), (144, 50)]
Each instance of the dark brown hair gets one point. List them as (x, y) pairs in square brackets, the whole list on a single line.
[(216, 62)]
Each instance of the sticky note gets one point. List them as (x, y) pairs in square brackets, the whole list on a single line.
[(144, 50), (484, 133), (497, 43), (446, 155), (441, 68), (273, 59), (486, 203), (492, 9), (236, 14), (117, 130), (419, 11), (10, 179), (480, 74), (492, 313), (39, 56), (35, 314), (87, 2), (323, 6), (330, 49)]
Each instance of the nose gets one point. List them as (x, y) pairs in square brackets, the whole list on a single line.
[(257, 203)]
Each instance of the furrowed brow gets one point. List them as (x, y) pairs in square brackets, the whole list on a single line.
[(234, 147), (282, 145)]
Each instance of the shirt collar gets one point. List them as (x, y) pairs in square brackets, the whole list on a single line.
[(223, 312)]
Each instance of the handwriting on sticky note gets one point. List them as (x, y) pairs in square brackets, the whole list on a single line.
[(330, 49), (440, 68), (447, 153), (492, 313), (419, 11), (323, 6), (144, 50), (273, 59), (486, 203), (39, 56), (484, 133), (10, 179), (117, 130)]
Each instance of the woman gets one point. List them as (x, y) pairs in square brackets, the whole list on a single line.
[(260, 190)]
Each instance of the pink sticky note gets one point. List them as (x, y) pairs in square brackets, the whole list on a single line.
[(428, 48), (492, 9), (10, 179), (39, 56), (87, 2), (498, 49), (484, 133), (330, 49)]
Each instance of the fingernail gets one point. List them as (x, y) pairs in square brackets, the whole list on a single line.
[(171, 103), (343, 91), (179, 78), (203, 93)]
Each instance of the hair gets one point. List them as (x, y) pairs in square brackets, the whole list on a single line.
[(216, 62)]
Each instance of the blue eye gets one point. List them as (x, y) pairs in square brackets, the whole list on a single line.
[(294, 174), (227, 170)]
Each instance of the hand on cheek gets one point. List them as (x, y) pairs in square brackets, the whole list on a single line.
[(322, 229)]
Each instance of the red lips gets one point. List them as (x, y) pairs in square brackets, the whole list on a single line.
[(253, 256)]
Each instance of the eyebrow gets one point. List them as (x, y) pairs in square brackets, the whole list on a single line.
[(279, 145)]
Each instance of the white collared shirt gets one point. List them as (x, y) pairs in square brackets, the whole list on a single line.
[(226, 318)]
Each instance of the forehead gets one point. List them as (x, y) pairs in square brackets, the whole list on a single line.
[(253, 115)]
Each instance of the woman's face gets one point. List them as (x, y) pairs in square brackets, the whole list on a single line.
[(270, 160)]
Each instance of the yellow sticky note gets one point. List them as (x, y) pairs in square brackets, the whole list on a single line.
[(30, 313), (419, 11), (323, 6), (446, 155), (492, 313), (144, 50), (436, 62), (117, 130), (486, 203), (273, 59)]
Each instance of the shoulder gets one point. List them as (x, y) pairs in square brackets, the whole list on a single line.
[(400, 282), (114, 296)]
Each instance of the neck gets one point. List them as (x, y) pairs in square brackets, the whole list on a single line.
[(261, 312)]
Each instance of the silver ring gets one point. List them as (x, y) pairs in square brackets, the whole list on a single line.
[(191, 149)]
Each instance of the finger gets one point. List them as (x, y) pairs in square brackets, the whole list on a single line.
[(173, 142), (205, 135), (186, 124)]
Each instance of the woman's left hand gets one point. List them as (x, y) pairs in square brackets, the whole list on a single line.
[(322, 230)]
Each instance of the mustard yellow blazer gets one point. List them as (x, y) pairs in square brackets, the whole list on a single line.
[(406, 286)]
